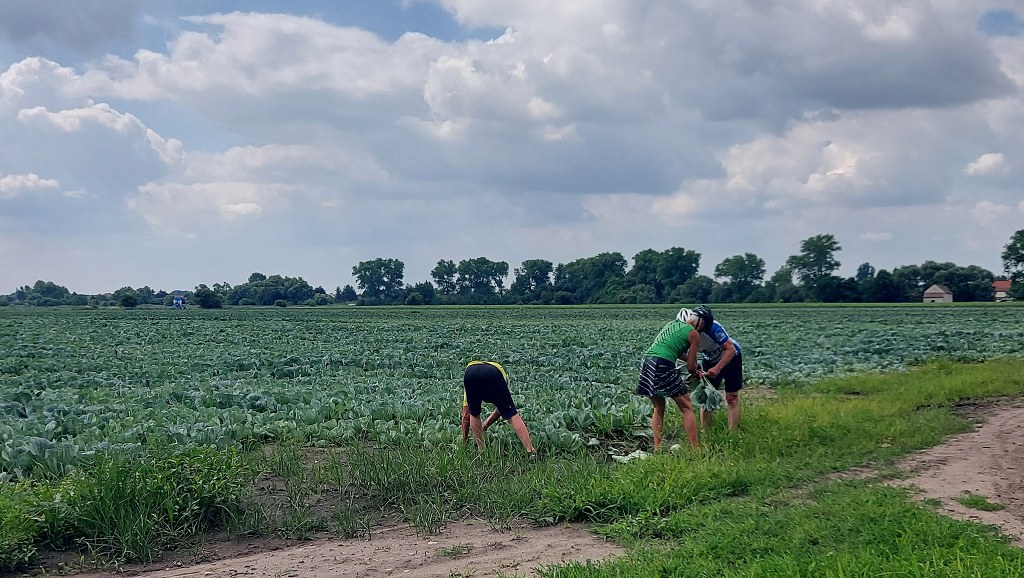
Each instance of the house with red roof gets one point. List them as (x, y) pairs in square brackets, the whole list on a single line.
[(1002, 289)]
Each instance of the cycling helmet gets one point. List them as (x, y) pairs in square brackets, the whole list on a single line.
[(703, 313), (684, 315)]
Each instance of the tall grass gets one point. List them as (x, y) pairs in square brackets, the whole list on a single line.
[(129, 506)]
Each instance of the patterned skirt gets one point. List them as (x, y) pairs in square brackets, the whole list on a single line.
[(660, 378)]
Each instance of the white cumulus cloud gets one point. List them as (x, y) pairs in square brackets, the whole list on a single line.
[(13, 185), (987, 163), (233, 210)]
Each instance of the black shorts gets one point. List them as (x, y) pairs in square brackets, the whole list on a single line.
[(731, 374), (484, 382), (660, 378)]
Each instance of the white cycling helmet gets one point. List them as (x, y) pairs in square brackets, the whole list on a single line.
[(685, 315)]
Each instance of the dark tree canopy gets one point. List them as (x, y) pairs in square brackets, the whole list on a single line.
[(668, 276), (379, 278), (1013, 262)]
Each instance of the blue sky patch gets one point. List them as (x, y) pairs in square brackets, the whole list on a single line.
[(1001, 23)]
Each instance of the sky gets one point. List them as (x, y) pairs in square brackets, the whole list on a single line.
[(168, 144)]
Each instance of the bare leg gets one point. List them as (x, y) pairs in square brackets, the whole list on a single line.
[(705, 419), (658, 420), (522, 432), (733, 400), (689, 421), (465, 423), (478, 431)]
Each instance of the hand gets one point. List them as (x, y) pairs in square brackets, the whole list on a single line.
[(711, 373)]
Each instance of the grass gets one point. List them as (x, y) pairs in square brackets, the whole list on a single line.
[(979, 502), (453, 551), (751, 503)]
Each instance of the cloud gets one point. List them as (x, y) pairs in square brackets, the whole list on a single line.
[(987, 163), (14, 185), (986, 211), (233, 210), (583, 127), (872, 236)]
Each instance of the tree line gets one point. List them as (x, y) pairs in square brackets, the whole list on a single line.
[(668, 276)]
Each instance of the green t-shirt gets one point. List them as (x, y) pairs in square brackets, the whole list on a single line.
[(672, 341)]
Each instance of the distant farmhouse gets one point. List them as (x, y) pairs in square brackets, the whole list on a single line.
[(938, 294), (1002, 289)]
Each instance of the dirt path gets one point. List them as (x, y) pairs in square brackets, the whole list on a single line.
[(462, 549), (988, 462)]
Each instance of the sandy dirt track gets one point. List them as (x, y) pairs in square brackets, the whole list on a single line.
[(988, 461), (462, 549)]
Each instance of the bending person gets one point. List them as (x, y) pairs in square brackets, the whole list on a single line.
[(487, 381), (722, 362), (660, 378)]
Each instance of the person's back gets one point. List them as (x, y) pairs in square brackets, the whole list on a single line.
[(672, 341)]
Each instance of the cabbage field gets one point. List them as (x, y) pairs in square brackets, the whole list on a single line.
[(77, 382)]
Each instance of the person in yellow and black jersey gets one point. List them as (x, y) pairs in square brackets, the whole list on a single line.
[(487, 381)]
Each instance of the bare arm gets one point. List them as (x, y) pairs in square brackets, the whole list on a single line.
[(729, 351), (491, 419), (465, 423), (691, 351)]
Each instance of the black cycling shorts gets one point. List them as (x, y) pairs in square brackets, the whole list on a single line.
[(484, 382), (732, 374)]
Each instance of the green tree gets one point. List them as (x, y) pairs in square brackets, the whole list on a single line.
[(781, 288), (744, 273), (697, 289), (864, 272), (881, 288), (661, 271), (444, 276), (379, 278), (676, 267), (586, 280), (426, 291), (207, 298), (126, 297), (480, 278), (910, 283), (816, 259), (816, 263), (1013, 263), (533, 281), (257, 277), (348, 295)]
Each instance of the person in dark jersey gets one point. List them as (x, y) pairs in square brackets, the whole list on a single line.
[(723, 362), (660, 378), (487, 381)]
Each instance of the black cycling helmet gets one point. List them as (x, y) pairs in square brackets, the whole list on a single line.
[(703, 313)]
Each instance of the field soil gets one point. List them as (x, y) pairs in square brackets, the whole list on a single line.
[(467, 548), (988, 461)]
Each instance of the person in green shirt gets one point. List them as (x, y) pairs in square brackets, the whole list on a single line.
[(660, 378)]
